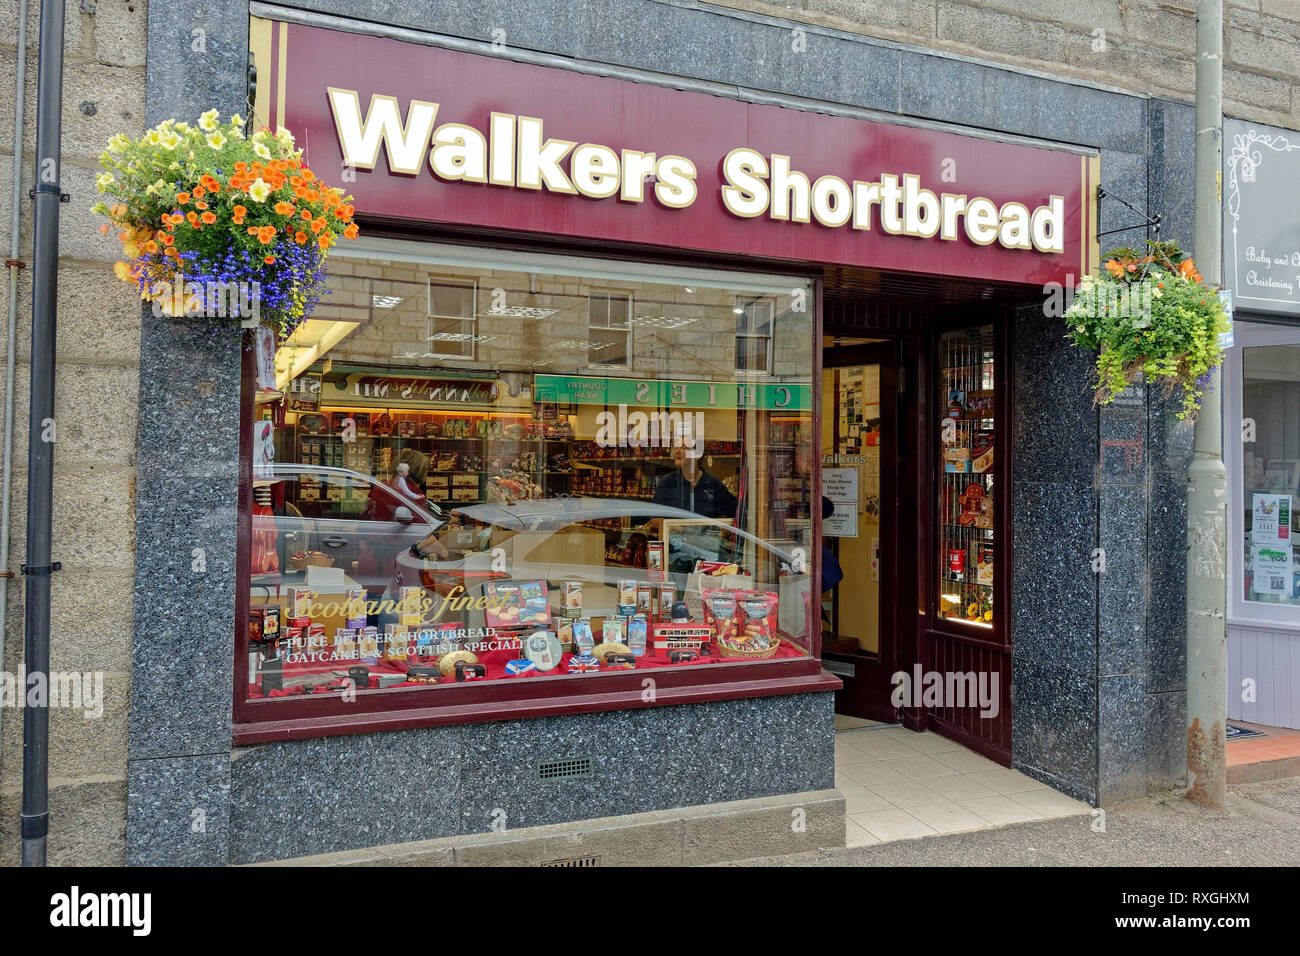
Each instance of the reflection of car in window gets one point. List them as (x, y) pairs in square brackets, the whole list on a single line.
[(598, 541), (323, 513)]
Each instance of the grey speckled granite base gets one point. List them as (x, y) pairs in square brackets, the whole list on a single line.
[(338, 793)]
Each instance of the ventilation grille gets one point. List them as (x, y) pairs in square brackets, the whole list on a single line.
[(575, 861), (576, 768)]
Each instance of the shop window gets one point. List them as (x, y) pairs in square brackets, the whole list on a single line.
[(1270, 477), (966, 493), (609, 329), (512, 515), (754, 319), (453, 314)]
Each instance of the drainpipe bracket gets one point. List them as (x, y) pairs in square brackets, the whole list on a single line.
[(15, 264), (49, 188), (33, 570)]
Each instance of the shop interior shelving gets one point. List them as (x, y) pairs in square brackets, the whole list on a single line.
[(966, 526)]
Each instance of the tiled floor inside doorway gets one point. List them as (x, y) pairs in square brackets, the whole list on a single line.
[(898, 784)]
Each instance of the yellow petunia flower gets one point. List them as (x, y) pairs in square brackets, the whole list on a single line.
[(169, 140), (208, 121), (104, 180), (261, 151), (216, 140), (259, 190)]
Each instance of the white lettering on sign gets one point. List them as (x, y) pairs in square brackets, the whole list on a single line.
[(516, 153)]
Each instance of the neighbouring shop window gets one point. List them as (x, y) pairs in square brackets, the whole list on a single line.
[(453, 312), (610, 329), (456, 484), (966, 526), (754, 334), (1270, 395)]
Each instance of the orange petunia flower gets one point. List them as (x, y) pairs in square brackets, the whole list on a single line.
[(182, 198), (151, 246), (240, 211), (1187, 268), (307, 174), (324, 241), (269, 260), (167, 239), (1114, 268), (351, 230), (199, 192), (209, 217), (265, 234), (252, 230), (241, 167), (192, 216), (283, 208), (209, 183), (317, 225), (300, 238), (200, 205), (306, 215)]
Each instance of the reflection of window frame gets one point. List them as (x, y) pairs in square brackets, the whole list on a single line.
[(741, 311), (459, 282), (608, 295), (1240, 610)]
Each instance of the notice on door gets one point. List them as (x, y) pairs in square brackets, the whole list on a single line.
[(840, 485)]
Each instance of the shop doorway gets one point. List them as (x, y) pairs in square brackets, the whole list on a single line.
[(865, 414)]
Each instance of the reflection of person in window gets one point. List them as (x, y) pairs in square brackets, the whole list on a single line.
[(691, 488)]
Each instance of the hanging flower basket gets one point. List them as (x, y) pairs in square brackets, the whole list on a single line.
[(215, 223), (1150, 314)]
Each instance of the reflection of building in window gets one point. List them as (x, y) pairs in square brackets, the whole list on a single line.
[(754, 334), (452, 317), (609, 339)]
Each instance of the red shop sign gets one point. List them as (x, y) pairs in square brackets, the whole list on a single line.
[(442, 136)]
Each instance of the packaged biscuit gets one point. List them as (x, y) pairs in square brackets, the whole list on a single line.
[(583, 642), (645, 594), (410, 610), (613, 630), (627, 592), (667, 598), (720, 614), (637, 635), (395, 643), (754, 618), (356, 607)]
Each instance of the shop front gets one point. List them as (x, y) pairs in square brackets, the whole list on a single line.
[(641, 432), (1262, 398)]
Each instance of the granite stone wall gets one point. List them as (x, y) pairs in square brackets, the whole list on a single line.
[(1147, 46), (97, 364)]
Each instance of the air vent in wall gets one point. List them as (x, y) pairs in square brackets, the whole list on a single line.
[(575, 861), (573, 768)]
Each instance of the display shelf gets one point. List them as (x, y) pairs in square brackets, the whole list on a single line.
[(966, 539)]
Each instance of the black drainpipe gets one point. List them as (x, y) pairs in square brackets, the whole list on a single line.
[(40, 441)]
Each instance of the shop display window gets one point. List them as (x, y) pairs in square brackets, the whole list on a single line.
[(966, 494), (1269, 477), (484, 468)]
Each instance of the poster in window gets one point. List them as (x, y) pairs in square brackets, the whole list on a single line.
[(1270, 520)]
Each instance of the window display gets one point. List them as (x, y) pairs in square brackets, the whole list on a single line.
[(1270, 474), (966, 538), (510, 469)]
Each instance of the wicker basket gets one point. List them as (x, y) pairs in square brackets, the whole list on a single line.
[(310, 560), (723, 651)]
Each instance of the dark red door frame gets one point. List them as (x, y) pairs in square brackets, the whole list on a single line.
[(948, 647)]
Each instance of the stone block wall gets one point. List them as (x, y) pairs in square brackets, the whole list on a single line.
[(1147, 46), (96, 401)]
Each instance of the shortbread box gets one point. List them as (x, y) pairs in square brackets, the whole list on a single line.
[(678, 637)]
